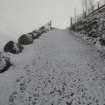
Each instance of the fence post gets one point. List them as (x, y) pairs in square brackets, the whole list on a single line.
[(98, 5), (50, 24), (71, 23)]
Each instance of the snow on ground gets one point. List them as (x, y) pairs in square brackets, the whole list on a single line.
[(57, 69)]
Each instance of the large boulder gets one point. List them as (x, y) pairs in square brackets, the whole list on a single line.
[(34, 34), (42, 30), (4, 63), (13, 47), (20, 47), (25, 39)]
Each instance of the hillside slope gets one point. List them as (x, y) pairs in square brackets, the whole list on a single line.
[(57, 69)]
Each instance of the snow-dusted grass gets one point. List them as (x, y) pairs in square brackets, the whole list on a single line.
[(57, 69)]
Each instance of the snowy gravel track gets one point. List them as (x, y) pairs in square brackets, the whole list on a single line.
[(57, 69)]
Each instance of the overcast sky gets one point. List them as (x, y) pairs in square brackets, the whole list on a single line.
[(21, 16)]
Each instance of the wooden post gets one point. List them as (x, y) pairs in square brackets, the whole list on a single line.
[(71, 23), (98, 5), (50, 23), (75, 15)]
